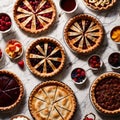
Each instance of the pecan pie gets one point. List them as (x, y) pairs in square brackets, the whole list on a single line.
[(83, 33), (34, 16), (11, 90), (52, 100), (45, 57), (105, 93), (100, 4)]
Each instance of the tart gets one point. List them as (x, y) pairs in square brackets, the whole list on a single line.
[(45, 57), (11, 90), (83, 33), (105, 93), (34, 16), (100, 4), (19, 117), (52, 100)]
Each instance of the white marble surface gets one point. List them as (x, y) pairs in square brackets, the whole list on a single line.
[(109, 19)]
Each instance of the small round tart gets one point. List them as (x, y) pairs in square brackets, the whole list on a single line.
[(105, 93), (52, 100), (19, 117), (34, 16), (100, 4), (83, 33), (11, 90), (45, 57)]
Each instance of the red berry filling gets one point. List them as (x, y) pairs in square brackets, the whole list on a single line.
[(94, 61), (114, 59), (0, 53), (5, 22), (78, 75)]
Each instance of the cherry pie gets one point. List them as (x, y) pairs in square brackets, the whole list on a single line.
[(52, 100), (105, 93), (45, 57), (34, 16), (83, 33)]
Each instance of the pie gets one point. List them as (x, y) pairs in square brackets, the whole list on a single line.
[(19, 117), (100, 4), (34, 16), (45, 57), (105, 93), (83, 33), (11, 90), (52, 100)]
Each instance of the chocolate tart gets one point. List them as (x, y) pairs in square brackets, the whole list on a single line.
[(34, 16), (45, 57), (105, 93), (100, 4), (52, 100), (83, 33), (19, 117), (11, 90)]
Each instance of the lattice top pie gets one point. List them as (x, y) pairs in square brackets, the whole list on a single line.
[(52, 100), (105, 93), (83, 33), (100, 4), (34, 16), (45, 57)]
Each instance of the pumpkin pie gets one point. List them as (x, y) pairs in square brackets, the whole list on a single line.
[(45, 57), (83, 33), (52, 100), (100, 4), (105, 93), (11, 90), (34, 16)]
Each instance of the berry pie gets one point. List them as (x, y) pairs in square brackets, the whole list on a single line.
[(83, 33), (100, 4), (34, 16), (52, 100), (11, 90), (105, 93), (45, 57)]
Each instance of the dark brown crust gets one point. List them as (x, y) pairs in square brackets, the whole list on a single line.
[(53, 82), (100, 8), (92, 93), (21, 91), (18, 116), (89, 50), (36, 31), (34, 71)]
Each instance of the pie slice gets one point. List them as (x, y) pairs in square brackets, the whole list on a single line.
[(34, 16), (105, 93), (100, 4), (45, 57), (11, 90), (55, 106), (83, 33)]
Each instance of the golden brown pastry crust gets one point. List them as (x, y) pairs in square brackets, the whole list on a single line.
[(65, 100), (92, 93)]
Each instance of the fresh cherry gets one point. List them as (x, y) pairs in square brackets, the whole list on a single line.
[(21, 64)]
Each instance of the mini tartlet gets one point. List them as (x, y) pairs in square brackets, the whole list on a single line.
[(19, 117), (14, 49), (100, 5), (11, 90), (45, 57), (105, 95), (52, 100)]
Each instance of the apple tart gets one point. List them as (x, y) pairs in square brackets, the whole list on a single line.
[(52, 100), (83, 33), (34, 16), (45, 57)]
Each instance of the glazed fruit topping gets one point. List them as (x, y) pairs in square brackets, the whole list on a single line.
[(107, 93), (114, 59), (94, 61), (13, 48), (5, 22), (21, 64), (0, 53), (78, 75)]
